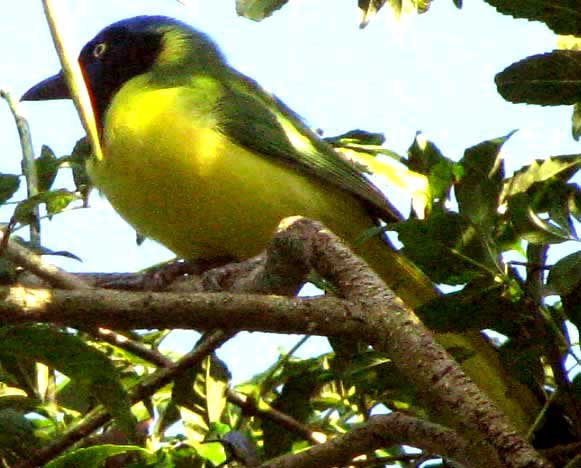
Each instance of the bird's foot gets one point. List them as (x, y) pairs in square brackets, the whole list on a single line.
[(161, 277)]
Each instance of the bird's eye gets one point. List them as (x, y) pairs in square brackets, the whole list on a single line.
[(99, 50)]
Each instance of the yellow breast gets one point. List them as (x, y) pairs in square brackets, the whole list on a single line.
[(176, 179)]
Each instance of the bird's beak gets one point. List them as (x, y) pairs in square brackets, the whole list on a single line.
[(54, 87)]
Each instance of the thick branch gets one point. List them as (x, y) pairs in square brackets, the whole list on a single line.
[(385, 431), (371, 314)]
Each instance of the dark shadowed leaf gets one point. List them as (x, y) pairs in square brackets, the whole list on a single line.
[(257, 10), (374, 375), (74, 358), (427, 159), (562, 16), (565, 275), (304, 379), (478, 191), (93, 457), (476, 307), (523, 363), (9, 184), (360, 138), (47, 165), (369, 8), (16, 433), (576, 122), (446, 246), (42, 250), (77, 160), (550, 79), (530, 225)]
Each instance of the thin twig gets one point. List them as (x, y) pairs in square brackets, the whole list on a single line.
[(246, 403), (28, 162)]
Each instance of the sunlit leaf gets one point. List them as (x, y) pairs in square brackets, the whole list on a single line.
[(55, 202), (541, 170)]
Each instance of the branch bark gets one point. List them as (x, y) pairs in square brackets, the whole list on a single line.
[(384, 431), (370, 313)]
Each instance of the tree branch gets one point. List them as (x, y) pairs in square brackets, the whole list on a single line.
[(385, 431), (370, 313), (140, 391)]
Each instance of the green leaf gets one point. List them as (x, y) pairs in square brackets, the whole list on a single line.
[(42, 250), (426, 158), (357, 137), (55, 201), (202, 391), (16, 432), (541, 170), (213, 452), (550, 79), (476, 307), (525, 209), (257, 10), (576, 122), (47, 165), (523, 363), (374, 375), (74, 358), (562, 16), (93, 457), (478, 191), (446, 246), (303, 379), (78, 162), (9, 184), (565, 275)]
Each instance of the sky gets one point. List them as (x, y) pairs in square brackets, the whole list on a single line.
[(432, 73)]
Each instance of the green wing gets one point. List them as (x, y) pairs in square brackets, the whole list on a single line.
[(262, 123)]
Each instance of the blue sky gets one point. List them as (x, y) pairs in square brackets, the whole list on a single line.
[(432, 73)]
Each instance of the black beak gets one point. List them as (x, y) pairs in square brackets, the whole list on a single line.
[(54, 87)]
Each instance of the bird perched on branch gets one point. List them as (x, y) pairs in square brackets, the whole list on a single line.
[(200, 158)]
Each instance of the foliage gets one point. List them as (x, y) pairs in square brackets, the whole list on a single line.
[(480, 230)]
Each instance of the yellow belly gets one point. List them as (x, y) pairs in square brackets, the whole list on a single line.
[(179, 181)]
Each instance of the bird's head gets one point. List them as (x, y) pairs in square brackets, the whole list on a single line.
[(131, 47)]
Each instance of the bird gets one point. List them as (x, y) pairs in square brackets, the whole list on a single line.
[(202, 159)]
